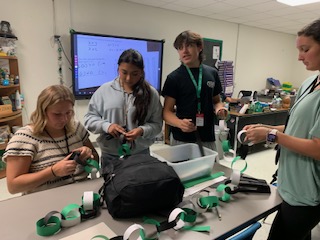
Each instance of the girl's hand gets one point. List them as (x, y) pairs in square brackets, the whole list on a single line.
[(64, 167), (85, 153), (116, 130), (133, 134)]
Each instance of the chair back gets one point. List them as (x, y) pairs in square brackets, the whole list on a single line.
[(246, 96), (248, 233)]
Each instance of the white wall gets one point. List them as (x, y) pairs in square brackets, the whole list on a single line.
[(262, 54), (257, 53)]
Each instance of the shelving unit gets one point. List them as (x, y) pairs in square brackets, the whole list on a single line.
[(225, 70), (13, 118)]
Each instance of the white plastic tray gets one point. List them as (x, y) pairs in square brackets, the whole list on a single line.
[(186, 160)]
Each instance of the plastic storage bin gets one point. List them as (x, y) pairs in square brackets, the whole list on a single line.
[(186, 160)]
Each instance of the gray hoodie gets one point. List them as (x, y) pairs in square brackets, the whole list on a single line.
[(107, 106)]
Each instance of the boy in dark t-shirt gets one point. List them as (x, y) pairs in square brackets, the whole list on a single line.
[(192, 94)]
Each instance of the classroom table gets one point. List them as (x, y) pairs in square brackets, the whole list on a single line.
[(19, 215)]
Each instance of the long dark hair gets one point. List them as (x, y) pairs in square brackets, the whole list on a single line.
[(142, 90)]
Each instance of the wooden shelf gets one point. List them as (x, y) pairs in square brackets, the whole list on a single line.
[(10, 86), (8, 57), (10, 116)]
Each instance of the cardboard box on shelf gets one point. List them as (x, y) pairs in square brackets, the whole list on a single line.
[(5, 110)]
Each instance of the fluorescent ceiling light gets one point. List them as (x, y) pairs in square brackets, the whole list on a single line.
[(297, 2)]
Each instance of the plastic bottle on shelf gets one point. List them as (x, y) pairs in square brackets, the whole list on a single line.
[(274, 102), (18, 100), (244, 109), (16, 80), (22, 100)]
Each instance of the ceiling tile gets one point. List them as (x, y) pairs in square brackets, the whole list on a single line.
[(238, 12), (267, 6), (244, 3), (219, 7), (175, 7), (266, 14), (153, 3), (284, 11), (193, 3), (199, 12)]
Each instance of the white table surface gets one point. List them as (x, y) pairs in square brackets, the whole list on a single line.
[(19, 215)]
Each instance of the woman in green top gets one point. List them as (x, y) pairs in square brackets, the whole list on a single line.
[(299, 161)]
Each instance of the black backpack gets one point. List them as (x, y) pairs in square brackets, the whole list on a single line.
[(140, 184)]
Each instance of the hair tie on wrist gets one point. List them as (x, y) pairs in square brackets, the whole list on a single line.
[(53, 171)]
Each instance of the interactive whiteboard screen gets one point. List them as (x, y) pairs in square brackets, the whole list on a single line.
[(95, 57)]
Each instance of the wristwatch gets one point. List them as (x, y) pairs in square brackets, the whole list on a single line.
[(271, 137)]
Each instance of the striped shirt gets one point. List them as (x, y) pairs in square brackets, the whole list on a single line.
[(45, 152)]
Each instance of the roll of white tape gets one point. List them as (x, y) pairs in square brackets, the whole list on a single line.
[(87, 200), (93, 173), (130, 230), (222, 125), (173, 216), (244, 108), (241, 138), (70, 215), (195, 201), (235, 177), (73, 218)]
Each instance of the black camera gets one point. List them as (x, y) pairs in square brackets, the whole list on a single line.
[(74, 156)]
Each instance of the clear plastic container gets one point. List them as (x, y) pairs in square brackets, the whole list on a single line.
[(186, 160)]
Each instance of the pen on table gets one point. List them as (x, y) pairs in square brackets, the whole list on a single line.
[(219, 215)]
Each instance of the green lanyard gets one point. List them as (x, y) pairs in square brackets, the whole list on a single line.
[(197, 86)]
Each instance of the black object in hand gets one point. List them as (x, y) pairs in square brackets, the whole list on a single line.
[(109, 136), (74, 156)]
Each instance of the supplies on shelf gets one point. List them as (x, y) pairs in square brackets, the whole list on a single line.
[(7, 40), (225, 71), (272, 83), (287, 87), (7, 78)]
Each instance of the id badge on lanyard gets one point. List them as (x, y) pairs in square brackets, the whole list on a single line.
[(199, 119), (199, 115)]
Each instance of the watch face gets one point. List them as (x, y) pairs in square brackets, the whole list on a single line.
[(271, 138)]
